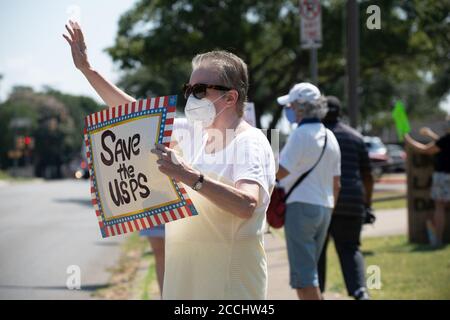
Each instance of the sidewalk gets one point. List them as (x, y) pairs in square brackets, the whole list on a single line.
[(278, 270), (389, 222)]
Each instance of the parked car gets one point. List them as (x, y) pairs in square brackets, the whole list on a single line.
[(378, 155), (82, 172), (397, 158)]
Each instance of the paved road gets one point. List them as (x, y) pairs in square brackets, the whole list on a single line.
[(389, 222), (44, 228), (278, 271), (391, 182)]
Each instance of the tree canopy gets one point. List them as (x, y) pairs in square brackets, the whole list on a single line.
[(55, 121), (407, 58)]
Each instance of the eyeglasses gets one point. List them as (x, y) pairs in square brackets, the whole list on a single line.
[(199, 89), (297, 104)]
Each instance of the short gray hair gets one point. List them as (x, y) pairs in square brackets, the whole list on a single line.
[(314, 109), (232, 72)]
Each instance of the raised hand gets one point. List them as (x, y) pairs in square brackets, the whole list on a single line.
[(427, 132), (112, 95), (77, 46)]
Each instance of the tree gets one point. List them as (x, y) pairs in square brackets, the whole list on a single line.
[(56, 122), (78, 107), (157, 39)]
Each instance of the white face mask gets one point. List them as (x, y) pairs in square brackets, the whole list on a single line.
[(201, 110)]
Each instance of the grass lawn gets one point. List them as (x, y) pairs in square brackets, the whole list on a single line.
[(125, 281), (149, 286), (388, 204), (408, 271), (5, 176)]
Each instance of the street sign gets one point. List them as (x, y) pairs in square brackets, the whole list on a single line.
[(310, 24), (128, 191), (20, 123)]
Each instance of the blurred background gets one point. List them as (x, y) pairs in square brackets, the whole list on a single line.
[(145, 47)]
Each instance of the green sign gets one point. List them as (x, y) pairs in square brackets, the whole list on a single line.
[(401, 120)]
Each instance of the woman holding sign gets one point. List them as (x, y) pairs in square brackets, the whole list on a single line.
[(113, 96), (228, 169), (440, 188)]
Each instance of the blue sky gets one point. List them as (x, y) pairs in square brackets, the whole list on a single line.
[(33, 51)]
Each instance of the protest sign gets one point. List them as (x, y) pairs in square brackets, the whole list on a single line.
[(401, 120), (310, 24), (128, 191)]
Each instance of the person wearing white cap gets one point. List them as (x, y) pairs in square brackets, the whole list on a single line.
[(311, 155)]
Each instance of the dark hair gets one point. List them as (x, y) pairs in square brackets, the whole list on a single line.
[(334, 109)]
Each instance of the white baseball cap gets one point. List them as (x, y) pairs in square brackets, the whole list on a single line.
[(301, 92)]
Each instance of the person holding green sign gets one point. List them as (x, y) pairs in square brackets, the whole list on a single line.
[(440, 189)]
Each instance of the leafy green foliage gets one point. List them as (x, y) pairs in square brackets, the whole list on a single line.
[(55, 121), (158, 38)]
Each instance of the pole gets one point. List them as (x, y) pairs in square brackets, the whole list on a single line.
[(313, 65), (352, 61)]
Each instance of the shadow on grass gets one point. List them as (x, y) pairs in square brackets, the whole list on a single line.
[(425, 248), (89, 288), (83, 202), (405, 247), (367, 253), (148, 254)]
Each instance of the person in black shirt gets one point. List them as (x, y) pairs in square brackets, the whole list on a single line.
[(440, 189), (354, 199)]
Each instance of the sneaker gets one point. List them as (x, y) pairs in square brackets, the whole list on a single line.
[(432, 238), (361, 294)]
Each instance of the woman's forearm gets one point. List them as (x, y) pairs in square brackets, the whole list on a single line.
[(240, 200), (241, 203), (110, 93), (236, 201)]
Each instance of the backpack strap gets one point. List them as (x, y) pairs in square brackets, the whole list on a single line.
[(304, 175)]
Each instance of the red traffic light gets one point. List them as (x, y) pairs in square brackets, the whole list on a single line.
[(27, 140)]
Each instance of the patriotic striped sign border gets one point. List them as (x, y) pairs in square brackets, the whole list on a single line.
[(148, 218)]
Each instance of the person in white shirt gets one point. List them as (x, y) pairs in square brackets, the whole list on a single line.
[(310, 204), (219, 253)]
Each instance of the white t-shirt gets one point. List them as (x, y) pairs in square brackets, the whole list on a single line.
[(216, 254), (301, 152), (248, 156)]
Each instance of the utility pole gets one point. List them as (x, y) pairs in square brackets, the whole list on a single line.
[(352, 53), (313, 65)]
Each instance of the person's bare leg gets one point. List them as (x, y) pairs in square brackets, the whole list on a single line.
[(157, 245), (439, 220), (309, 293)]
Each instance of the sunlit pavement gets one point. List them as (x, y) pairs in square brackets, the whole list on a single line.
[(391, 182), (46, 227)]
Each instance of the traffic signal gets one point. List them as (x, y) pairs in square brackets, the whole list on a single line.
[(27, 140)]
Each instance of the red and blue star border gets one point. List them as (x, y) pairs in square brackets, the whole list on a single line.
[(166, 106)]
